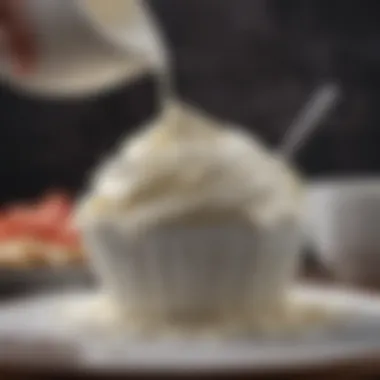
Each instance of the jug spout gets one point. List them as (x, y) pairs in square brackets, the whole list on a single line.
[(89, 46)]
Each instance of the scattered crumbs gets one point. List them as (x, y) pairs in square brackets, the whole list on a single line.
[(101, 314)]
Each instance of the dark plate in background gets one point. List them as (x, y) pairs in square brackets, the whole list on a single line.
[(14, 282)]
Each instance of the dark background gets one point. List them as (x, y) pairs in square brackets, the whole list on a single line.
[(250, 61)]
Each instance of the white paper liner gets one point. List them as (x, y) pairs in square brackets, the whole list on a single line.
[(196, 273)]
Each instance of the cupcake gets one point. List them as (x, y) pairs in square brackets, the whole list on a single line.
[(193, 220)]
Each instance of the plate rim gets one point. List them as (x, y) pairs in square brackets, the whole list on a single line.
[(349, 357)]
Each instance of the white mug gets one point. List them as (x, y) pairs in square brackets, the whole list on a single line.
[(83, 50), (343, 218)]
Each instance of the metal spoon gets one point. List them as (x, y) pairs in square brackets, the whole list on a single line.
[(312, 114)]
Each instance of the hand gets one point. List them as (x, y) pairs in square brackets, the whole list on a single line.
[(17, 36)]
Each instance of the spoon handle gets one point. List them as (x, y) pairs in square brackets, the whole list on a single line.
[(310, 117)]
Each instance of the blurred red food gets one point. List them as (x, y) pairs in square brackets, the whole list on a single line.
[(47, 221)]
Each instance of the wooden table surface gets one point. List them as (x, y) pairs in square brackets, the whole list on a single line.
[(362, 368)]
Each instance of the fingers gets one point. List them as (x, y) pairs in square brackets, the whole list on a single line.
[(17, 35)]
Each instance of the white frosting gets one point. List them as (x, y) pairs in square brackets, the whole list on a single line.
[(188, 163)]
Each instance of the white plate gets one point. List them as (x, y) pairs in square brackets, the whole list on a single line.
[(33, 332)]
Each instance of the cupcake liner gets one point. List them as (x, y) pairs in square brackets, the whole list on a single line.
[(188, 272)]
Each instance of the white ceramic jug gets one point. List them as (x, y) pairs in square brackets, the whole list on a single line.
[(84, 49)]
